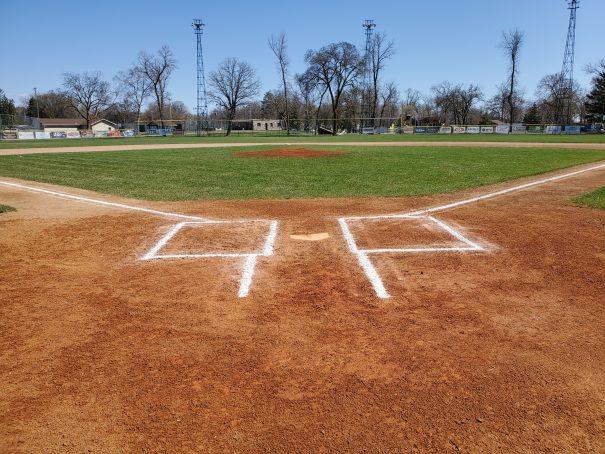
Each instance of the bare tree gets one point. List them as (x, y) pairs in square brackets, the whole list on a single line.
[(511, 43), (380, 51), (157, 69), (135, 88), (389, 98), (551, 93), (335, 67), (88, 94), (443, 97), (232, 85), (52, 104), (410, 105), (279, 47), (464, 99)]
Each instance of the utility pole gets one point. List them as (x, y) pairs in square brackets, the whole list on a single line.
[(36, 99)]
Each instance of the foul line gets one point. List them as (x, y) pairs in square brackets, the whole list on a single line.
[(368, 267), (102, 202), (250, 259)]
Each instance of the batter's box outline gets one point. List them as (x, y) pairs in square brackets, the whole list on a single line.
[(250, 258), (363, 255)]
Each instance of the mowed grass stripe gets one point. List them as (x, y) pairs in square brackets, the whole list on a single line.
[(191, 174), (528, 138)]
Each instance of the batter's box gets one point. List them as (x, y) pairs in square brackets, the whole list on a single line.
[(407, 234), (218, 239), (363, 251)]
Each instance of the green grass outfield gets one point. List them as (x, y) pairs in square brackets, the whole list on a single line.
[(250, 138), (191, 174), (594, 199)]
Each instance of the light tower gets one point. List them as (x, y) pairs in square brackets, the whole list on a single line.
[(369, 27), (202, 98), (568, 60)]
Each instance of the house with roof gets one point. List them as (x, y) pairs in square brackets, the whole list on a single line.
[(76, 124)]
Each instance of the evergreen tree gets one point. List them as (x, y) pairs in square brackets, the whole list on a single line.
[(532, 117), (595, 100), (7, 106)]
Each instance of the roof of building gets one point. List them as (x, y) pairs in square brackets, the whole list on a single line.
[(102, 120), (63, 121)]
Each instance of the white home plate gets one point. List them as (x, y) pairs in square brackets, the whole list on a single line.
[(311, 237)]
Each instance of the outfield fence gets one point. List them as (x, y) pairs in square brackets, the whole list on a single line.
[(29, 128)]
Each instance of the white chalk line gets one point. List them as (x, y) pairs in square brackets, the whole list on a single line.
[(479, 198), (152, 254), (250, 261), (368, 267)]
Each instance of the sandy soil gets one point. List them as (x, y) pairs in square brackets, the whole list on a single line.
[(496, 351), (577, 146)]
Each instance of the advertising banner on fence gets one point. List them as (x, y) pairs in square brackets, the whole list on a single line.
[(502, 129), (58, 135), (100, 133), (473, 129), (114, 133), (459, 129), (42, 135), (553, 129), (519, 129), (87, 134), (25, 135), (128, 133), (408, 129), (445, 130), (535, 129), (73, 134), (487, 129), (421, 130), (573, 129)]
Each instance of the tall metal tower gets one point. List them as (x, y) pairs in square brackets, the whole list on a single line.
[(202, 98), (369, 27), (568, 60)]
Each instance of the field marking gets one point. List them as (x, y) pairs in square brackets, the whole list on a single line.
[(368, 267), (101, 202), (152, 254), (250, 258)]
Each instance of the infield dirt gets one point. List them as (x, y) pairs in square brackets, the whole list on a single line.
[(496, 351)]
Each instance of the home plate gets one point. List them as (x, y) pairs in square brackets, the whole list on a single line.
[(311, 237)]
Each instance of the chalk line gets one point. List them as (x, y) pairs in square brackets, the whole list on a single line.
[(250, 258), (102, 202), (368, 267), (153, 253)]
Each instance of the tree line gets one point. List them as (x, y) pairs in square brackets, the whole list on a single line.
[(340, 83)]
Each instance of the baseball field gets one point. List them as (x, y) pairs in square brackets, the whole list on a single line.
[(349, 294)]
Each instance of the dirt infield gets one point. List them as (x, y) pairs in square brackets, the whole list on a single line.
[(577, 146), (288, 153), (499, 350)]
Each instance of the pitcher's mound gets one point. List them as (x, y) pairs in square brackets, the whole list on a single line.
[(288, 153)]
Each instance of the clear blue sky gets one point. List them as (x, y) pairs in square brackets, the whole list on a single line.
[(435, 40)]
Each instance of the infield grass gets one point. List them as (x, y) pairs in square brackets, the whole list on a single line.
[(595, 199), (6, 208), (280, 138), (191, 174)]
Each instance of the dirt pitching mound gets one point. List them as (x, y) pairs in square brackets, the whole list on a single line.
[(288, 153)]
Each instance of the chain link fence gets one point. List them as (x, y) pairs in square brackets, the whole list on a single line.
[(24, 127)]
